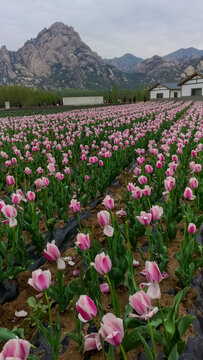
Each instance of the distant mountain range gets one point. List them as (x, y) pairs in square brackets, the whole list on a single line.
[(57, 58)]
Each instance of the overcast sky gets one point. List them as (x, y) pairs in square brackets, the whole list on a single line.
[(110, 27)]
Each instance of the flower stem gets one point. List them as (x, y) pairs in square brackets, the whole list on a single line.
[(50, 320), (131, 266), (123, 352), (184, 223), (113, 298), (162, 318), (152, 337)]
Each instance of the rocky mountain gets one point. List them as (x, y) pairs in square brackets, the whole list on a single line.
[(158, 69), (182, 55), (57, 58), (127, 63)]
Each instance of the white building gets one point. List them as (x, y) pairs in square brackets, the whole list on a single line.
[(193, 85), (165, 91), (83, 100)]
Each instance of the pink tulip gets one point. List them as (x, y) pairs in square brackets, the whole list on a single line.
[(108, 202), (39, 183), (192, 228), (40, 280), (83, 241), (153, 276), (157, 212), (16, 199), (137, 171), (92, 342), (193, 183), (130, 187), (28, 171), (102, 263), (86, 308), (10, 213), (103, 218), (142, 180), (144, 218), (112, 329), (10, 181), (105, 289), (158, 164), (141, 303), (152, 272), (169, 182), (188, 194), (147, 190), (74, 205), (52, 253), (16, 349), (121, 212), (30, 196), (40, 170), (45, 181), (2, 204), (148, 169), (137, 193), (198, 168)]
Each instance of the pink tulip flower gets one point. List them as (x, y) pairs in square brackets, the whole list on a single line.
[(192, 228), (157, 212), (137, 193), (16, 199), (148, 169), (121, 212), (45, 181), (142, 180), (144, 218), (30, 196), (28, 171), (10, 213), (83, 241), (193, 183), (137, 171), (52, 253), (86, 308), (102, 263), (158, 164), (141, 303), (40, 280), (112, 329), (105, 289), (103, 218), (10, 181), (153, 276), (74, 205), (169, 182), (16, 349), (188, 194), (92, 342), (147, 190), (130, 187), (108, 202)]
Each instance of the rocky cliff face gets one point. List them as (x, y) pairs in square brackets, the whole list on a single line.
[(57, 58)]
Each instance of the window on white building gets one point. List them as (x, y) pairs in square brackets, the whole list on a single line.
[(159, 95), (197, 91), (175, 94)]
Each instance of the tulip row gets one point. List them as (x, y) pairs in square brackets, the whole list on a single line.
[(164, 178)]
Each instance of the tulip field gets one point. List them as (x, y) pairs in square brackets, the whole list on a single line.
[(101, 233)]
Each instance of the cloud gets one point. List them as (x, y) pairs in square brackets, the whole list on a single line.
[(109, 27)]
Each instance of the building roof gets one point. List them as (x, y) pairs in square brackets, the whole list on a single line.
[(190, 77), (170, 86)]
